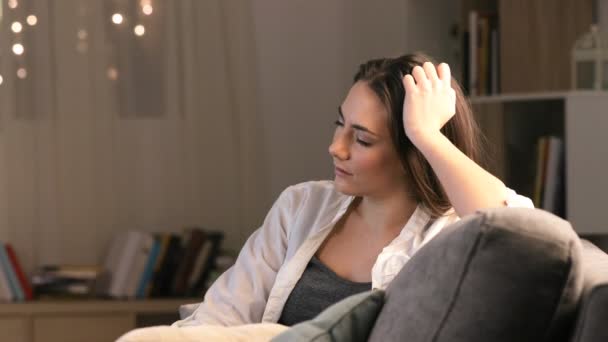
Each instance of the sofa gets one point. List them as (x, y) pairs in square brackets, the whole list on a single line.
[(501, 274)]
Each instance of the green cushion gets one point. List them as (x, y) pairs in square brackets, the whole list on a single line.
[(351, 319)]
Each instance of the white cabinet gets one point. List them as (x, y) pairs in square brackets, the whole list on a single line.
[(587, 161)]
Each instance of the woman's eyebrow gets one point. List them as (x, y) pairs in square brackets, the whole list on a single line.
[(355, 126)]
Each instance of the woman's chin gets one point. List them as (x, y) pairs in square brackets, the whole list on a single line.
[(343, 187)]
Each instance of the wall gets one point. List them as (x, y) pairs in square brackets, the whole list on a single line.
[(75, 172), (252, 90), (308, 53)]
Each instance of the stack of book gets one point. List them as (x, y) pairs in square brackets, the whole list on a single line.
[(14, 286), (481, 54), (549, 186), (145, 265), (68, 281)]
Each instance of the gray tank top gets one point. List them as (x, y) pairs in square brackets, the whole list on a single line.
[(318, 288)]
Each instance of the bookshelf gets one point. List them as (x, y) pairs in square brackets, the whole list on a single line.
[(530, 50), (147, 275), (513, 125), (535, 96), (84, 320), (518, 79)]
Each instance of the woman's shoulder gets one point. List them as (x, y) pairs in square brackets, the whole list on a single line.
[(316, 189), (319, 195), (312, 205)]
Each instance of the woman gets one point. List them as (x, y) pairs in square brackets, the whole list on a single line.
[(405, 151)]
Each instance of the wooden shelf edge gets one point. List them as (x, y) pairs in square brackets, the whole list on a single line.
[(95, 306), (538, 96)]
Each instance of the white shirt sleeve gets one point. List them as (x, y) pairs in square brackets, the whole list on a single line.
[(239, 295), (513, 199), (516, 200)]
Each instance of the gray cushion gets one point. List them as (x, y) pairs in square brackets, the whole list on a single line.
[(502, 274), (351, 319)]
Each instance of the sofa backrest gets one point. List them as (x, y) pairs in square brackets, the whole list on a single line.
[(502, 274), (592, 318)]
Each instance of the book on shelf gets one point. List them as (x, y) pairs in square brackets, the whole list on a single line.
[(549, 187), (137, 266), (148, 268), (481, 57), (554, 184), (14, 285), (163, 279), (168, 242), (191, 245), (119, 261), (6, 292), (200, 264), (199, 283), (151, 286), (23, 280), (69, 281), (11, 275), (162, 264), (541, 159), (471, 62)]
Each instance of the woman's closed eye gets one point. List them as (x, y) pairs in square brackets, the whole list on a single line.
[(363, 143), (359, 140)]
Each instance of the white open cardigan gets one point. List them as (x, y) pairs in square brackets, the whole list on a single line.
[(274, 257)]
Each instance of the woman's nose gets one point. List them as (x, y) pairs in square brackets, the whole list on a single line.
[(339, 148)]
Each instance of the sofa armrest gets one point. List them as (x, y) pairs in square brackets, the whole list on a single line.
[(593, 307)]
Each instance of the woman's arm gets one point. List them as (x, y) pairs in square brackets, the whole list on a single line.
[(240, 294), (468, 186), (430, 102)]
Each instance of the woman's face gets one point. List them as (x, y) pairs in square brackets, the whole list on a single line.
[(366, 162)]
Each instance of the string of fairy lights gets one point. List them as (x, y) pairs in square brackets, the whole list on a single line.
[(138, 29), (120, 19), (29, 21), (18, 27)]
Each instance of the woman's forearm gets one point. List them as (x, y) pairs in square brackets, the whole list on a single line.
[(468, 186)]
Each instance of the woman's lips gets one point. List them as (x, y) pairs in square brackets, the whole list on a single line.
[(341, 172)]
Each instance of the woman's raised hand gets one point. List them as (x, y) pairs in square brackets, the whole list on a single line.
[(429, 102)]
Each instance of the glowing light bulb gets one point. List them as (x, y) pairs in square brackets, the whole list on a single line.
[(31, 20), (112, 73), (117, 18), (21, 73), (82, 34), (139, 30), (16, 27), (147, 9), (18, 49)]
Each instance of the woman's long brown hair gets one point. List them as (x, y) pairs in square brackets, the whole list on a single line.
[(384, 77)]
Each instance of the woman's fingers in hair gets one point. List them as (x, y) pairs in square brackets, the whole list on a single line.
[(421, 78), (408, 83), (431, 74), (444, 74)]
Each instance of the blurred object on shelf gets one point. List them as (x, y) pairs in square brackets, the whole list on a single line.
[(589, 65), (69, 281)]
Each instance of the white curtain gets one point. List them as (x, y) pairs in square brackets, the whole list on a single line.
[(112, 131)]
